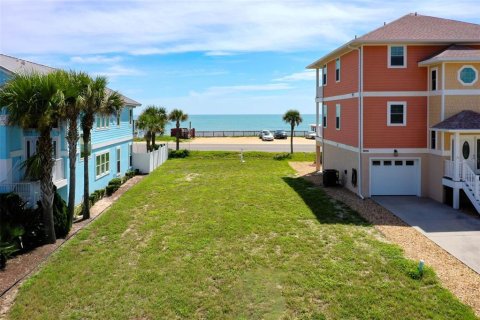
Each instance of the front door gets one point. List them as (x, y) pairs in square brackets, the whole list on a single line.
[(468, 150)]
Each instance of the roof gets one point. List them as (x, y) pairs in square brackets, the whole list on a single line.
[(15, 66), (453, 53), (413, 28), (465, 120)]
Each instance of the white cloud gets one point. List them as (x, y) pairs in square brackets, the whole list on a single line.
[(96, 59), (217, 27), (307, 75), (226, 90), (118, 71)]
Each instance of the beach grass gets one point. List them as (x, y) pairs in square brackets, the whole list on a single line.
[(210, 237)]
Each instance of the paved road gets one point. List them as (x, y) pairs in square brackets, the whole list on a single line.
[(246, 147), (455, 231)]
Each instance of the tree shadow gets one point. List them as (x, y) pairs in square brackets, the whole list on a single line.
[(326, 209)]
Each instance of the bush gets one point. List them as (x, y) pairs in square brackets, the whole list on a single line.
[(60, 220), (130, 174), (282, 156), (115, 182), (178, 153), (124, 179), (110, 189)]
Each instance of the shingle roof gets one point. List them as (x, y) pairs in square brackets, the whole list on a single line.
[(465, 120), (413, 28), (454, 53), (17, 66)]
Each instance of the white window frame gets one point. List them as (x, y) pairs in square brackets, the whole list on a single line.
[(436, 139), (106, 172), (404, 57), (389, 105), (436, 79), (460, 79), (118, 162), (325, 115), (339, 69), (338, 114), (324, 75), (104, 122)]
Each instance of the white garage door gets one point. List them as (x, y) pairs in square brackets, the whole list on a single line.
[(399, 177)]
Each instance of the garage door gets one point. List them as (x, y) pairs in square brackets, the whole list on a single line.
[(395, 177)]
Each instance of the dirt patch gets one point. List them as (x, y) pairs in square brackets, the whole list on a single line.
[(453, 274)]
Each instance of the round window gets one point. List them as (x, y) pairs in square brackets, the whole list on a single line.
[(466, 150), (467, 75)]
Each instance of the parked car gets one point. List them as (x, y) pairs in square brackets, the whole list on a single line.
[(280, 134), (310, 135), (266, 135)]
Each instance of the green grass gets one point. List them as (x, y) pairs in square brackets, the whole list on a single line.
[(210, 237), (159, 139)]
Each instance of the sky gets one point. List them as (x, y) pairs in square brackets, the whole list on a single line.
[(203, 56)]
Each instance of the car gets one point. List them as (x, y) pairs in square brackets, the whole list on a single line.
[(266, 135), (310, 135), (280, 134)]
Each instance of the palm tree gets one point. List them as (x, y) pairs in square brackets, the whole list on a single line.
[(294, 119), (152, 120), (33, 102), (99, 100), (178, 116), (74, 87)]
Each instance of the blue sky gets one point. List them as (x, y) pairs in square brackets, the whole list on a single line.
[(203, 56)]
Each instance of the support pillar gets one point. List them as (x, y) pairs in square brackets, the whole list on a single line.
[(456, 198), (456, 157)]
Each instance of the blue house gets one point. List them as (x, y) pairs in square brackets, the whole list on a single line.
[(111, 146)]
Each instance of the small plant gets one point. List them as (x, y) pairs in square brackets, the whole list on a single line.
[(115, 182), (282, 156), (178, 153), (110, 189), (130, 174)]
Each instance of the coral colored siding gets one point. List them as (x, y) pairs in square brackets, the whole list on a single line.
[(378, 77), (348, 75), (377, 134), (348, 133)]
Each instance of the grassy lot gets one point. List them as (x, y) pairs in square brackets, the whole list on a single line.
[(210, 237), (160, 139)]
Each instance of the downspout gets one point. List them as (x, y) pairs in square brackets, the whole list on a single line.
[(360, 120), (317, 119)]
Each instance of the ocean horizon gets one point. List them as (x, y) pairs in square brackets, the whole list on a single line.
[(239, 122)]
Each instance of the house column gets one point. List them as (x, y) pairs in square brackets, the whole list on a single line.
[(456, 169)]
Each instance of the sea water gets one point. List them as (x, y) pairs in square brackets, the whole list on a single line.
[(242, 122)]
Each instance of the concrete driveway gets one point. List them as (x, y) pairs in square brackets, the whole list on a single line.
[(453, 230)]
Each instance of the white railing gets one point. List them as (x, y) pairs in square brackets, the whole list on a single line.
[(319, 92), (449, 169), (58, 171), (28, 191), (471, 180)]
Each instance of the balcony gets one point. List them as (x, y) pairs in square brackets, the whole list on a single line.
[(28, 191), (319, 96), (58, 173)]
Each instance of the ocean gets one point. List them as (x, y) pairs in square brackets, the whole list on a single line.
[(231, 122)]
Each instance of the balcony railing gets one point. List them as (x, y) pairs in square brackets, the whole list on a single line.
[(58, 170), (28, 191), (319, 92)]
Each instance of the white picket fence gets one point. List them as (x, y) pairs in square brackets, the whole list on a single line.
[(146, 162)]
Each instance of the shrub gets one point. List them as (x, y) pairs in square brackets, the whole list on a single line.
[(282, 156), (124, 179), (130, 174), (60, 220), (110, 189), (178, 153), (115, 182)]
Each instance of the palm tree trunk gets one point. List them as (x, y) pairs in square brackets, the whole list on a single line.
[(153, 140), (72, 138), (46, 185), (291, 139), (178, 135), (148, 139), (86, 182)]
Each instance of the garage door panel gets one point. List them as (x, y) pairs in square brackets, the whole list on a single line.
[(394, 177)]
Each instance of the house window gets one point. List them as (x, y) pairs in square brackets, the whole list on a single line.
[(467, 75), (324, 75), (325, 113), (433, 139), (397, 57), (433, 79), (397, 113), (337, 70), (89, 148), (103, 122), (466, 150), (54, 149), (118, 160), (130, 116), (102, 163), (118, 118), (337, 116), (130, 155)]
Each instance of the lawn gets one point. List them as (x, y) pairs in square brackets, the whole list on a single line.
[(210, 237)]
